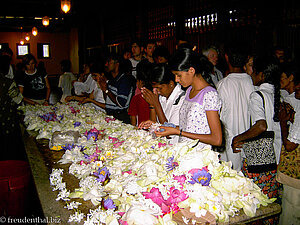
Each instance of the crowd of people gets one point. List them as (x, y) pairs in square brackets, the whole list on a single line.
[(192, 99)]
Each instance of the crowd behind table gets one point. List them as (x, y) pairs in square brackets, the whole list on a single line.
[(188, 95)]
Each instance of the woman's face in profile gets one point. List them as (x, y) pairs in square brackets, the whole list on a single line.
[(185, 78)]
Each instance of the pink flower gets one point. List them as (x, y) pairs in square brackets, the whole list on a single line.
[(155, 196), (114, 140), (118, 144), (165, 208), (82, 162), (129, 172), (181, 179), (98, 150), (176, 196), (175, 208), (107, 119), (161, 144)]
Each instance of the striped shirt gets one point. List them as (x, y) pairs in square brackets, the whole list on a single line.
[(121, 87)]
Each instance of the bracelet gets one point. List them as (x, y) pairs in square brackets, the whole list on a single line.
[(151, 107), (180, 133)]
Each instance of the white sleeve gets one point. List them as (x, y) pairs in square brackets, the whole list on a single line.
[(256, 108)]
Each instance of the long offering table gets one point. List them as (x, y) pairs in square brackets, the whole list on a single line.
[(42, 160)]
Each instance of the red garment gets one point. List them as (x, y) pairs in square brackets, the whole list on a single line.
[(140, 108)]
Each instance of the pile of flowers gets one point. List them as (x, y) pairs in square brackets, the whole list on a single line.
[(133, 178)]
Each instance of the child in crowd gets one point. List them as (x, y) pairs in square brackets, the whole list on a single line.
[(139, 109)]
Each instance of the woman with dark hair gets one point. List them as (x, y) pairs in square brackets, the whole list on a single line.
[(199, 113), (264, 112), (33, 82), (166, 99)]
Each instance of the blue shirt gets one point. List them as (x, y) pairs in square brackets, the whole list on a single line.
[(121, 87)]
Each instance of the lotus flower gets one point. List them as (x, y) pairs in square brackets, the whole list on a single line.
[(102, 174), (176, 196), (155, 196), (201, 176), (109, 204)]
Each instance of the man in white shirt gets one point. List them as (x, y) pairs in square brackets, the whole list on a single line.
[(234, 91), (65, 80), (137, 56)]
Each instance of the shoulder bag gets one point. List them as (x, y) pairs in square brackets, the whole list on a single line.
[(259, 150)]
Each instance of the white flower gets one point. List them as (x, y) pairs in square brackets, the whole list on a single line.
[(74, 155), (94, 195), (137, 165), (138, 214), (167, 220), (185, 220), (63, 195), (76, 217), (72, 205)]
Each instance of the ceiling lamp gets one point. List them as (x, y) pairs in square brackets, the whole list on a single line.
[(27, 37), (34, 31), (45, 21), (22, 42), (65, 5)]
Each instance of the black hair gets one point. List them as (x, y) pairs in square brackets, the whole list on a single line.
[(150, 41), (125, 66), (271, 72), (184, 58), (96, 67), (161, 51), (161, 74), (143, 70), (114, 56), (237, 53), (291, 69), (4, 64), (27, 58), (6, 49), (138, 42), (185, 45), (65, 65)]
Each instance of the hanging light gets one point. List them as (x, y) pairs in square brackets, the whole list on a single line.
[(65, 5), (27, 37), (34, 31), (22, 42), (45, 21)]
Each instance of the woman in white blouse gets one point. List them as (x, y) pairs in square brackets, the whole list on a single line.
[(166, 99)]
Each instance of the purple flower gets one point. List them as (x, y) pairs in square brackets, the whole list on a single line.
[(170, 165), (68, 147), (200, 176), (77, 124), (102, 173), (51, 116), (93, 133), (109, 204)]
